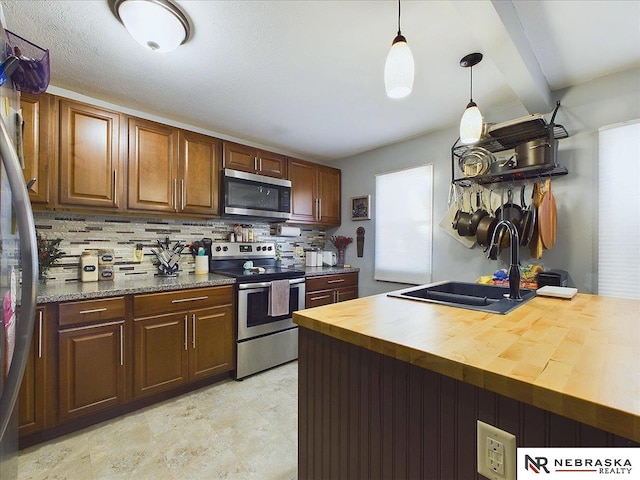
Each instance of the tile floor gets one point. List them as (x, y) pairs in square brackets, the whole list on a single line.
[(232, 430)]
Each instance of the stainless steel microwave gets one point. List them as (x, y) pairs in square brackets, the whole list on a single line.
[(250, 195)]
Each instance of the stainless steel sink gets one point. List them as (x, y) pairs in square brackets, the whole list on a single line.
[(472, 296)]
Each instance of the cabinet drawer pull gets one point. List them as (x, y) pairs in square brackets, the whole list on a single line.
[(193, 328), (320, 297), (40, 334), (185, 331), (192, 299), (94, 310), (121, 344), (340, 280)]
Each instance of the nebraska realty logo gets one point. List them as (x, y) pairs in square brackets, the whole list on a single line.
[(581, 463)]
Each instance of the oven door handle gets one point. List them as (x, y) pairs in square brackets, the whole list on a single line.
[(247, 286)]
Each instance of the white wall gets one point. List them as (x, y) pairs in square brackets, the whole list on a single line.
[(584, 109)]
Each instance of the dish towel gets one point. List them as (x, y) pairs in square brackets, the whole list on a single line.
[(278, 298)]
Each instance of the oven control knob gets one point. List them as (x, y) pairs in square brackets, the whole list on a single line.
[(224, 249), (218, 249), (269, 247)]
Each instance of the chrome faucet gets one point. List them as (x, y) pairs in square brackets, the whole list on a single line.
[(514, 268)]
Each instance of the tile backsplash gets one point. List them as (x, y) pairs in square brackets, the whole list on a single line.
[(81, 232)]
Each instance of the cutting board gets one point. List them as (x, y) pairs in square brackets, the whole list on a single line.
[(547, 213), (535, 245)]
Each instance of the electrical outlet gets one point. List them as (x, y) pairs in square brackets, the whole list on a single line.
[(496, 453), (299, 251), (138, 255)]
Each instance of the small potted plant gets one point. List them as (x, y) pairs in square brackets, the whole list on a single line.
[(340, 242), (278, 256), (48, 254)]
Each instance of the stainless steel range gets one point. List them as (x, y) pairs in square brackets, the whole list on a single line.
[(262, 340)]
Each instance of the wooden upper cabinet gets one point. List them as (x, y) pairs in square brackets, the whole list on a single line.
[(303, 191), (315, 193), (329, 191), (38, 146), (199, 173), (252, 160), (90, 171), (153, 166)]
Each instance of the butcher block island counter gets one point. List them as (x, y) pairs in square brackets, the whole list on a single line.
[(392, 388)]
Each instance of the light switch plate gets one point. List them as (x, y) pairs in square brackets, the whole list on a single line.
[(496, 453)]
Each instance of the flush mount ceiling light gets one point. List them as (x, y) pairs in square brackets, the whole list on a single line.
[(399, 68), (158, 25), (471, 123)]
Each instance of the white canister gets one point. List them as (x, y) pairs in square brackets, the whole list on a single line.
[(202, 264), (312, 258), (319, 257)]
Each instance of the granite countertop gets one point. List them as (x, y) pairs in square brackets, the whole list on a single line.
[(69, 291), (578, 358)]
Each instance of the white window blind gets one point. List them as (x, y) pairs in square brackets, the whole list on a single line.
[(403, 215), (619, 210)]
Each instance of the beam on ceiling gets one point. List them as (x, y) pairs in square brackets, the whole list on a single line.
[(496, 26)]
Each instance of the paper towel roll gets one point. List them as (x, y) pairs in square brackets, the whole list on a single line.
[(287, 231)]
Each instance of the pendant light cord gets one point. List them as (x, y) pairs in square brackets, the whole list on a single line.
[(398, 17), (471, 86)]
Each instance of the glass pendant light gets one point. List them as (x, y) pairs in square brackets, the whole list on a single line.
[(399, 67), (158, 25), (471, 123)]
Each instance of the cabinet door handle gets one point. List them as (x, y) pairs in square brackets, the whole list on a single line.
[(40, 334), (115, 187), (93, 310), (185, 332), (319, 209), (339, 280), (260, 165), (121, 344), (175, 194), (182, 194), (192, 299), (193, 328), (255, 163), (335, 296)]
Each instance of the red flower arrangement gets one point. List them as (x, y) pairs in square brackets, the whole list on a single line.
[(340, 242)]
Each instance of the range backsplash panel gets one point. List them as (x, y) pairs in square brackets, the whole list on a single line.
[(122, 234)]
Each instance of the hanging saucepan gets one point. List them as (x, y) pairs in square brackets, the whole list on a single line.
[(486, 226), (509, 211), (464, 221), (541, 151), (478, 215), (528, 220)]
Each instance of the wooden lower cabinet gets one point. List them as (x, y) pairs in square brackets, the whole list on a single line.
[(182, 346), (95, 359), (160, 353), (327, 289), (31, 399), (91, 369)]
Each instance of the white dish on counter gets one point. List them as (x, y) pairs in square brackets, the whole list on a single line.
[(559, 292)]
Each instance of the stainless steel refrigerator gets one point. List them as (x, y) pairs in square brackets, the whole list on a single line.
[(18, 283)]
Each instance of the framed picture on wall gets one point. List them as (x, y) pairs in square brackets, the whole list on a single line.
[(361, 208)]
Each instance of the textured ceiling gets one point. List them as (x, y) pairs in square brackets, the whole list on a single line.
[(306, 77)]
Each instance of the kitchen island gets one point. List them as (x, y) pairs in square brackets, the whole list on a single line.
[(392, 388)]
